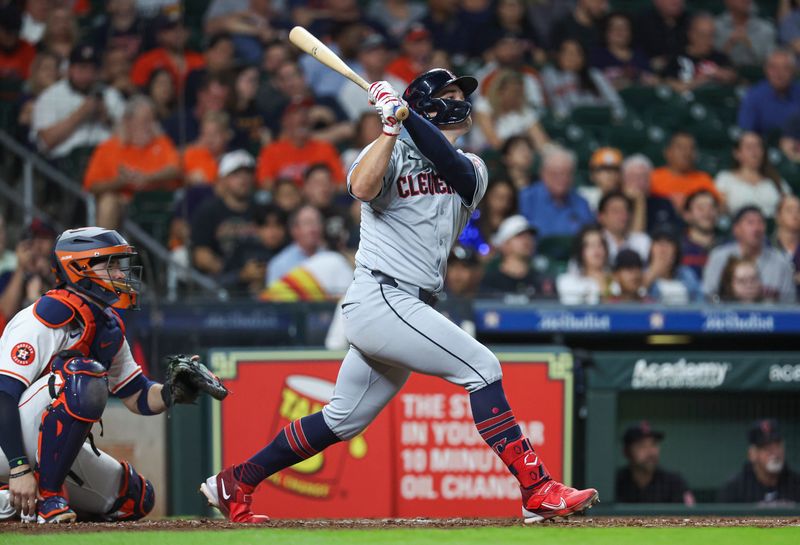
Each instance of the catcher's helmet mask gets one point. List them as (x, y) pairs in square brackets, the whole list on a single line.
[(77, 251), (421, 97)]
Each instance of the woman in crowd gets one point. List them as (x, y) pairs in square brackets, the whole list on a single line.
[(499, 203), (667, 280), (517, 157), (248, 123), (589, 280), (620, 63), (44, 73), (161, 90), (508, 113), (570, 83), (740, 282), (752, 180)]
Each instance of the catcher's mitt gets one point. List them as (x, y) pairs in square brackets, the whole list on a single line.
[(186, 377)]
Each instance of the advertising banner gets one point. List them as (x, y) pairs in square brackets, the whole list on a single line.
[(721, 371), (420, 457)]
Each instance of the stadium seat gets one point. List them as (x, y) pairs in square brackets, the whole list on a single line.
[(152, 210), (591, 116), (558, 248)]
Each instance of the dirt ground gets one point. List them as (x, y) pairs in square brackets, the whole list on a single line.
[(575, 521)]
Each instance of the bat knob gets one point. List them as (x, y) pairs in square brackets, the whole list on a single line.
[(401, 112)]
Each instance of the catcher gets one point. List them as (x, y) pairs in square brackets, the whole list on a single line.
[(60, 359)]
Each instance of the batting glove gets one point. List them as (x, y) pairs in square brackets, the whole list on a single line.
[(379, 90), (386, 108)]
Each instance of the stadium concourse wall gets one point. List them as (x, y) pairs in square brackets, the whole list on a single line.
[(578, 376)]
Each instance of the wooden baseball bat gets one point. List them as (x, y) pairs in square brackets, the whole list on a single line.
[(309, 43)]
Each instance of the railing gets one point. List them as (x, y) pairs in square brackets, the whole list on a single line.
[(32, 163)]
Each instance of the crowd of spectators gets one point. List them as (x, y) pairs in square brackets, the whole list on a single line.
[(248, 142)]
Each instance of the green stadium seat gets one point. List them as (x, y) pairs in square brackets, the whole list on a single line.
[(557, 248), (152, 210), (751, 74), (591, 116)]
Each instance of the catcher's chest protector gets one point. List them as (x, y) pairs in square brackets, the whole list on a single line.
[(103, 330)]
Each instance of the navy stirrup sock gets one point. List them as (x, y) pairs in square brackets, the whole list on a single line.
[(493, 416), (296, 442)]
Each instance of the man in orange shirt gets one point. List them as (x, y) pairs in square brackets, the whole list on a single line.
[(170, 55), (136, 158), (201, 160), (679, 178), (295, 151)]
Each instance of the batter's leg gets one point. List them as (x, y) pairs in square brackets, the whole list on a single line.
[(363, 388), (398, 329)]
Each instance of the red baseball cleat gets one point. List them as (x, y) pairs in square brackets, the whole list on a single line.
[(542, 497), (553, 499), (233, 498)]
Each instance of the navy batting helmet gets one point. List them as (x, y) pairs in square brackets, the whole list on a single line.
[(77, 251), (421, 96)]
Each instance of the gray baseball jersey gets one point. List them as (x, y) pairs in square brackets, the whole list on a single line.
[(407, 231)]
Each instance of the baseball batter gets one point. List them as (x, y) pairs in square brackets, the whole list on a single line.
[(416, 198), (60, 359)]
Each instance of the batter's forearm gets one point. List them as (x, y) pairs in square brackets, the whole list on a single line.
[(366, 179)]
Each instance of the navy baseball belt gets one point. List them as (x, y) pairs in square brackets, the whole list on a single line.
[(427, 297)]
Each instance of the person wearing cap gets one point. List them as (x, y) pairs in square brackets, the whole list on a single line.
[(667, 280), (614, 215), (628, 274), (514, 274), (416, 56), (765, 477), (552, 205), (605, 174), (642, 480), (749, 233), (227, 220), (138, 157), (373, 57), (74, 112), (171, 53), (16, 55)]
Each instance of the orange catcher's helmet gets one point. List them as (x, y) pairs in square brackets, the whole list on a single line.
[(77, 253)]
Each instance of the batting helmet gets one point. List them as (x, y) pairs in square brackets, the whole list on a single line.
[(421, 96), (77, 251)]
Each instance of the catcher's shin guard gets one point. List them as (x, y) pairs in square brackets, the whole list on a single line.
[(76, 406), (136, 496)]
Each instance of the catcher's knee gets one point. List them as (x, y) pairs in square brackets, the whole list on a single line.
[(84, 388), (136, 496)]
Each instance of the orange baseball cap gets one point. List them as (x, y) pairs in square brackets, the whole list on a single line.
[(606, 157)]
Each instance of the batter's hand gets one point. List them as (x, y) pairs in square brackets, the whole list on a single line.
[(24, 492), (379, 90), (386, 109)]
